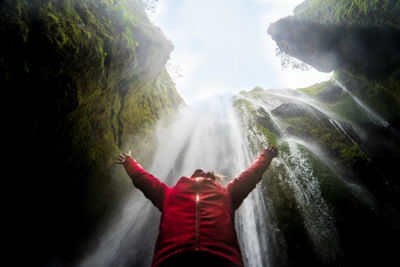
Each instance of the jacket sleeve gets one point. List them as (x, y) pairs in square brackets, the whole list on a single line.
[(151, 187), (240, 187)]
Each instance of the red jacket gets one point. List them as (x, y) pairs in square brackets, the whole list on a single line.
[(198, 213)]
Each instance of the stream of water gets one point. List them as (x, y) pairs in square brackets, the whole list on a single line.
[(213, 136), (207, 136), (371, 114)]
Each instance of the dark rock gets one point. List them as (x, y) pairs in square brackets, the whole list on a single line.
[(330, 94), (289, 110), (265, 121), (80, 81), (372, 50)]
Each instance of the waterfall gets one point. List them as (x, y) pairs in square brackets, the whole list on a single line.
[(206, 136), (220, 134), (318, 217)]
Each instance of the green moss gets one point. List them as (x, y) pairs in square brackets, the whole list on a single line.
[(256, 124), (352, 154), (332, 98), (248, 116), (350, 12), (344, 203), (284, 147), (53, 17), (382, 95), (322, 132), (295, 246), (347, 109), (314, 89), (272, 138)]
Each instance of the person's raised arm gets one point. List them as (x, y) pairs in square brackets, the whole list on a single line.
[(241, 186), (151, 187)]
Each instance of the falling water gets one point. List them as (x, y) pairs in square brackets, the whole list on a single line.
[(206, 136), (371, 114), (317, 216), (216, 135), (119, 245), (289, 95), (339, 126)]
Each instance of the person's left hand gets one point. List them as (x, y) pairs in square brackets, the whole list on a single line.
[(122, 157)]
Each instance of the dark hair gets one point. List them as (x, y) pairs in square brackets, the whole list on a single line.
[(198, 173), (209, 174)]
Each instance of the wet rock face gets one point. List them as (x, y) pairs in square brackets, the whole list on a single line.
[(341, 156), (289, 110), (372, 50), (359, 41), (304, 41), (331, 94), (78, 79), (307, 123), (265, 121)]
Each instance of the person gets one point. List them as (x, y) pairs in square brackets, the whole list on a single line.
[(197, 214)]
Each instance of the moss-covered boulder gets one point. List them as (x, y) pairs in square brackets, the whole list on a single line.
[(290, 110), (348, 12), (381, 144)]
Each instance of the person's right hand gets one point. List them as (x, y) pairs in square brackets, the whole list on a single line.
[(122, 157), (270, 151)]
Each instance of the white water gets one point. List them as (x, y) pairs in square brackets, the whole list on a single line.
[(213, 136), (317, 216), (293, 96), (371, 114), (207, 136)]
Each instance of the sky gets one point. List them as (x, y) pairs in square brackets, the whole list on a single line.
[(222, 46)]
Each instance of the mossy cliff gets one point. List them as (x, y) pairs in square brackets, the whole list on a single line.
[(359, 40), (80, 81), (331, 200)]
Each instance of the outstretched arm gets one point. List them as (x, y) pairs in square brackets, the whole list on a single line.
[(241, 186), (151, 187)]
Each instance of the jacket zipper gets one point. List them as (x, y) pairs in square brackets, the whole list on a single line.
[(197, 216)]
